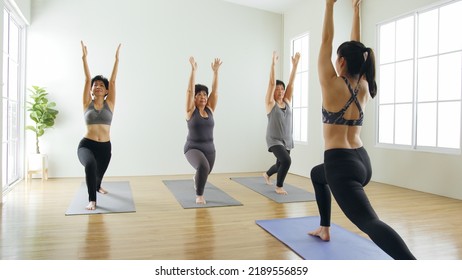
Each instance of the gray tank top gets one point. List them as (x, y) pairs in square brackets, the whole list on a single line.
[(280, 130), (200, 132), (93, 116)]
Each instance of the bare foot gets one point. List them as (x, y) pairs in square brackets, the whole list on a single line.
[(321, 232), (281, 190), (91, 205), (267, 179), (103, 191), (200, 199)]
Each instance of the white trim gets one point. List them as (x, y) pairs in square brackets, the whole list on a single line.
[(414, 146)]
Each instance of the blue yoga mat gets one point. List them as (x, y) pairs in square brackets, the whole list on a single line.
[(343, 244)]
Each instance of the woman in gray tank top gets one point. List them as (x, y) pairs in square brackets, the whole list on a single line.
[(279, 131), (199, 148)]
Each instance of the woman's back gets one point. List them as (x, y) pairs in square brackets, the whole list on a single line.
[(335, 96)]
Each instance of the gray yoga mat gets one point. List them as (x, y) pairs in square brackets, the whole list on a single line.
[(184, 192), (258, 185), (118, 200)]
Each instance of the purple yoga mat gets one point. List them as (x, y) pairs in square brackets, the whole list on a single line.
[(344, 245)]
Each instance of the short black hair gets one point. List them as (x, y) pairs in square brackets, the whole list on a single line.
[(279, 82), (198, 88), (102, 79)]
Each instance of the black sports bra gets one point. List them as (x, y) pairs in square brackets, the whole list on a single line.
[(337, 117)]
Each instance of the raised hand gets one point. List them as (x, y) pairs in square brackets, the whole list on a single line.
[(356, 3), (193, 63), (275, 57), (117, 52), (84, 49), (216, 64), (296, 58)]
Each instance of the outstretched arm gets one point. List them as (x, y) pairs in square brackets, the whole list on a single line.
[(290, 86), (112, 82), (269, 99), (87, 87), (356, 26), (213, 98), (326, 70), (190, 106)]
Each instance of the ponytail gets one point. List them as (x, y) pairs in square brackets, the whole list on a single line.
[(360, 61), (368, 69)]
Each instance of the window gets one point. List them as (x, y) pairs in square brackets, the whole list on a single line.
[(420, 79), (300, 95), (11, 100)]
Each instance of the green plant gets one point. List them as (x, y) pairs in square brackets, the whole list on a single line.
[(42, 113)]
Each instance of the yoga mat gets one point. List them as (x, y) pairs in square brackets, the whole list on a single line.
[(343, 244), (258, 185), (118, 200), (185, 194)]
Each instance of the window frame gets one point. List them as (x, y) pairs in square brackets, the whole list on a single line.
[(415, 102), (301, 71), (19, 99)]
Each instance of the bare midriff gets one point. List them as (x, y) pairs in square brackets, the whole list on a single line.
[(98, 132)]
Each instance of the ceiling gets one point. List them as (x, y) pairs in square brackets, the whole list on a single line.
[(275, 6)]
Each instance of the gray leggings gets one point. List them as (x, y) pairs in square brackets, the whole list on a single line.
[(203, 163)]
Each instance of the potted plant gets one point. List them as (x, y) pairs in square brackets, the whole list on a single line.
[(43, 114)]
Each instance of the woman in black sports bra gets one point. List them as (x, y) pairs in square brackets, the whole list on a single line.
[(94, 150), (347, 167)]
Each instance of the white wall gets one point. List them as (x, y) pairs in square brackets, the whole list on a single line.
[(149, 129), (428, 172)]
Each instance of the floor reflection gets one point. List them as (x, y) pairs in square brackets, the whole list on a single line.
[(96, 245), (201, 244)]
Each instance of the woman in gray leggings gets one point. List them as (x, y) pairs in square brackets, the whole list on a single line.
[(199, 148)]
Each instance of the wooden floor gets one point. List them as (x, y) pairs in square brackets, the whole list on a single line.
[(33, 224)]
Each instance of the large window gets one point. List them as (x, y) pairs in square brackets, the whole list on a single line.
[(420, 79), (11, 100), (300, 95)]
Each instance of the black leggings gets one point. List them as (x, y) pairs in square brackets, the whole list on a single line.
[(283, 162), (345, 172), (95, 157), (203, 163)]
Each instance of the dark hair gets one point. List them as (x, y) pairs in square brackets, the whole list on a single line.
[(102, 79), (198, 88), (279, 82), (359, 64)]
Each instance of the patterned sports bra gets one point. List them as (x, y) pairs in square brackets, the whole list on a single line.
[(337, 117)]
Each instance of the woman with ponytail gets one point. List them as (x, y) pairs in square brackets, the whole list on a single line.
[(346, 89)]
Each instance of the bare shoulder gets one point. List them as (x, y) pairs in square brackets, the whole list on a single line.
[(335, 87)]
